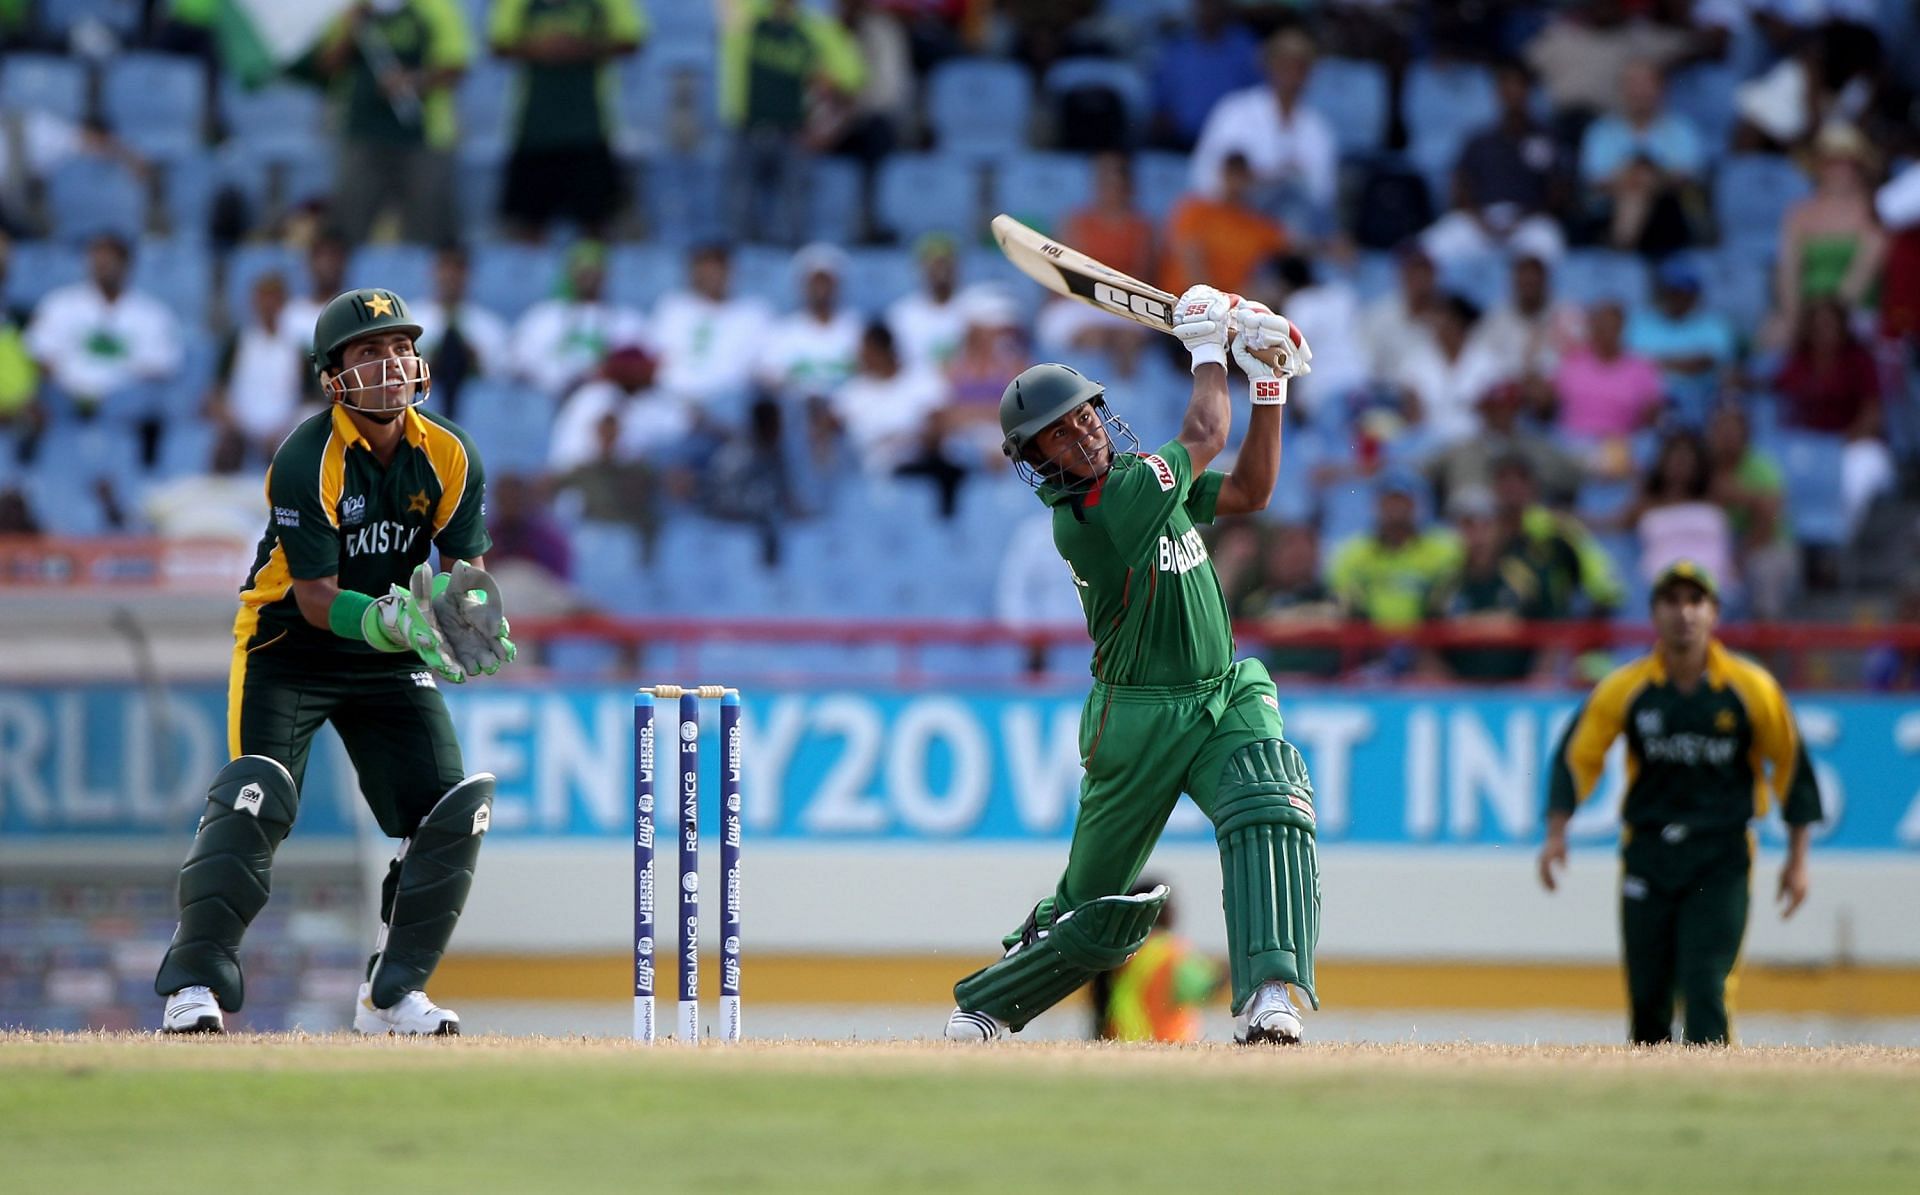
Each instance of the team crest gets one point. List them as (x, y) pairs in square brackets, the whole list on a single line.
[(417, 503), (353, 511), (1648, 723), (1724, 722)]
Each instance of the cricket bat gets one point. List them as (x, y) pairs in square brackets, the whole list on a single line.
[(1065, 270)]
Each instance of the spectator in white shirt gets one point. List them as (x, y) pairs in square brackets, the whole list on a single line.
[(929, 324), (886, 407), (696, 331), (1289, 145), (1396, 323), (263, 375), (98, 342), (560, 341), (1331, 307), (652, 424), (1447, 375), (1527, 334), (809, 352), (458, 337)]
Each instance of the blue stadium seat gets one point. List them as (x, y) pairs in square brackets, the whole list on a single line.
[(305, 180), (684, 27), (639, 273), (62, 17), (1351, 95), (510, 425), (89, 195), (1482, 279), (684, 198), (50, 83), (1751, 195), (485, 100), (95, 448), (1446, 103), (64, 500), (1346, 511), (921, 193), (654, 85), (879, 275), (765, 272), (186, 448), (281, 120), (479, 181), (1159, 180), (1375, 274), (248, 262), (1592, 275), (42, 266), (407, 270), (1041, 189), (509, 278), (979, 106), (606, 562), (179, 273), (1704, 95), (156, 103), (1739, 285), (835, 200), (1811, 463), (1115, 75)]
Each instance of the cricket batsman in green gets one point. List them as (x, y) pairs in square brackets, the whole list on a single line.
[(1711, 742), (1170, 710), (343, 620)]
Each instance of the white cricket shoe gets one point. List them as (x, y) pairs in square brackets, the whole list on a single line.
[(974, 1026), (193, 1010), (413, 1016), (1268, 1017)]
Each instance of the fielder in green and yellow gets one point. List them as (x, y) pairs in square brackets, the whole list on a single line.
[(343, 620), (1710, 742), (1170, 710)]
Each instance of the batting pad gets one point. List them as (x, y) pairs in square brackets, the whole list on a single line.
[(1270, 874), (430, 887), (1098, 936), (225, 881)]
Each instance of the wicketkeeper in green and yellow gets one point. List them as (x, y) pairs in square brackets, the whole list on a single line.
[(1170, 710), (343, 620), (1711, 742)]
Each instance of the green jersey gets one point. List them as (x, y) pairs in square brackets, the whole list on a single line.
[(1152, 601), (338, 512), (563, 105), (1709, 759)]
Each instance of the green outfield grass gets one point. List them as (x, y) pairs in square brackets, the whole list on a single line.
[(278, 1115)]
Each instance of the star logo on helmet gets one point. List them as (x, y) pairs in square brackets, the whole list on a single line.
[(417, 503), (379, 305)]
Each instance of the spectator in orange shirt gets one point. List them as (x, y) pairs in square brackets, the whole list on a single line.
[(1111, 228), (1220, 241)]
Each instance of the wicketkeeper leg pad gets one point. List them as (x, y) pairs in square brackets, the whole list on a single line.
[(227, 876), (1270, 875), (429, 889), (1052, 961)]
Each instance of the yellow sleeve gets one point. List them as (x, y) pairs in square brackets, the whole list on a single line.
[(1777, 757), (450, 46), (1583, 750), (506, 21), (626, 21)]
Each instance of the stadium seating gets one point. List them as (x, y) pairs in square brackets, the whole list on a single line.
[(405, 269), (155, 103), (510, 425), (1120, 78), (1351, 95), (1446, 103), (1811, 463), (835, 199), (88, 196), (1751, 196), (485, 100), (44, 83), (1601, 275), (281, 120), (62, 18), (639, 273), (248, 262), (179, 273), (1704, 93), (39, 267), (1042, 189), (979, 107), (1159, 180), (508, 278), (921, 193)]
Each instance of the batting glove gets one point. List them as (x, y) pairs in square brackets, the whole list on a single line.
[(1259, 331), (1200, 320)]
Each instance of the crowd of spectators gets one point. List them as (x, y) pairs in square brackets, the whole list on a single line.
[(1592, 285)]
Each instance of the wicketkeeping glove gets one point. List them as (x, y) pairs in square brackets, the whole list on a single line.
[(467, 608), (1200, 320), (400, 621)]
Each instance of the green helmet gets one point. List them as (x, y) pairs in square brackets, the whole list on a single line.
[(1040, 395), (354, 314)]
